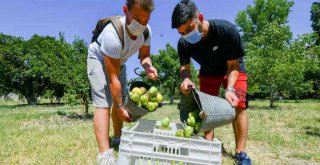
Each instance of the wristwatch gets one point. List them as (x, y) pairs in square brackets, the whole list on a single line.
[(230, 89)]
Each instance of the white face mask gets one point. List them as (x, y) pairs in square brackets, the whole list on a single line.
[(136, 28)]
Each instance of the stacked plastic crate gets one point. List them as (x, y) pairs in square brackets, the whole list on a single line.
[(147, 143)]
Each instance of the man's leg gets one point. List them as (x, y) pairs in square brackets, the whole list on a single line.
[(101, 122), (210, 85), (240, 123), (240, 128)]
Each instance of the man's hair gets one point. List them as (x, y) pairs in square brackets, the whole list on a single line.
[(147, 5), (185, 10)]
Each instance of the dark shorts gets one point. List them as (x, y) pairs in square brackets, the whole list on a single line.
[(211, 85)]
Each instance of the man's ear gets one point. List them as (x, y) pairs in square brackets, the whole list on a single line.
[(125, 9), (200, 16)]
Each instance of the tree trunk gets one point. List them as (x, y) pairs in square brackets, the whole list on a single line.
[(172, 92), (271, 98), (86, 108), (32, 100)]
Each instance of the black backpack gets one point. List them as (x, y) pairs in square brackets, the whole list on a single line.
[(116, 23)]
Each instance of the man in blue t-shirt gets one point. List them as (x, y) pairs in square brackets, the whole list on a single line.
[(216, 45)]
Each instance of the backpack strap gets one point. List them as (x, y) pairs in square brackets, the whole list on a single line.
[(146, 34), (116, 23), (119, 29)]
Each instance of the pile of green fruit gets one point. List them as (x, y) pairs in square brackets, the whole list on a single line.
[(149, 100), (193, 125)]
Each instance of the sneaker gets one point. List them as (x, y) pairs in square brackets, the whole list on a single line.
[(107, 158), (242, 158), (115, 142)]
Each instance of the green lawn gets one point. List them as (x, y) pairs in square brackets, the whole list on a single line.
[(45, 134)]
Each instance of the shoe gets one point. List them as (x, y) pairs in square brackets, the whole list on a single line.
[(107, 158), (242, 158), (115, 142)]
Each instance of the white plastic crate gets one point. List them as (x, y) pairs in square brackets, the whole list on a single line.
[(145, 144)]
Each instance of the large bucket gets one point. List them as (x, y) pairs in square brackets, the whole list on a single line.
[(133, 109), (214, 111)]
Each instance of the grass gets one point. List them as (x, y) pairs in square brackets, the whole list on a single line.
[(46, 134)]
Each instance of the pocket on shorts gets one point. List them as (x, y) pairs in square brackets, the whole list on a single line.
[(90, 66)]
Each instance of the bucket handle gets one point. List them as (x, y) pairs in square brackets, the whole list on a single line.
[(195, 96)]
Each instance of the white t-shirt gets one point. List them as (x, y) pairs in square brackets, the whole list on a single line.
[(111, 44)]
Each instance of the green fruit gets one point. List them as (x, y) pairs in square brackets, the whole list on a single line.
[(197, 126), (135, 97), (158, 162), (180, 163), (143, 90), (144, 99), (194, 114), (139, 104), (179, 133), (151, 106), (165, 122), (137, 91), (153, 90), (156, 104), (173, 162), (152, 98), (159, 98), (188, 131), (191, 121)]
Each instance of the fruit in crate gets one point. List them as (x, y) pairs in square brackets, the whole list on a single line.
[(188, 131), (165, 122), (179, 133)]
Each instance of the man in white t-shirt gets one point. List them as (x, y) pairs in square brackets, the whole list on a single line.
[(107, 71)]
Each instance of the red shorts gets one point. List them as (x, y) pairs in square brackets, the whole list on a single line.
[(211, 85)]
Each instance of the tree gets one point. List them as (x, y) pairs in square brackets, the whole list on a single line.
[(77, 84), (168, 67), (313, 73), (266, 36), (18, 72), (315, 18)]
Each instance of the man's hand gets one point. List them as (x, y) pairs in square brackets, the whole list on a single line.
[(186, 85), (152, 73), (124, 115), (232, 98)]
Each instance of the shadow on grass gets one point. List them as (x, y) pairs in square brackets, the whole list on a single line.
[(225, 153), (8, 107), (312, 131), (76, 116), (267, 108), (52, 104)]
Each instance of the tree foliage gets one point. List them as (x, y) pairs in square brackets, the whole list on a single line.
[(276, 63)]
